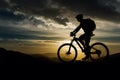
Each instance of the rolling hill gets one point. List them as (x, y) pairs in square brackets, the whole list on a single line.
[(14, 57)]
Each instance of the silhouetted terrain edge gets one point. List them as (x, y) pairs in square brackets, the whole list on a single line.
[(14, 57)]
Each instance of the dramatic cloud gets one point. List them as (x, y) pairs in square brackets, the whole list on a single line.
[(10, 15), (44, 8), (55, 9), (43, 13), (19, 25), (102, 9), (53, 20)]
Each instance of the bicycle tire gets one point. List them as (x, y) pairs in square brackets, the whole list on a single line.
[(61, 58), (99, 47)]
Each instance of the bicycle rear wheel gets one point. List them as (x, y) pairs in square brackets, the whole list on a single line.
[(99, 51), (65, 54)]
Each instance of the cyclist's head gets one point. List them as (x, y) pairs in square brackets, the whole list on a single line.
[(79, 17)]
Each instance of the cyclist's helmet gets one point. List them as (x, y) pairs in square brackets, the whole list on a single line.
[(79, 16)]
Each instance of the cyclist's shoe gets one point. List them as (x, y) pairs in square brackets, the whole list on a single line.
[(85, 58), (86, 49)]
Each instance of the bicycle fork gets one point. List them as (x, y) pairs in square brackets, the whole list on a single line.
[(70, 48)]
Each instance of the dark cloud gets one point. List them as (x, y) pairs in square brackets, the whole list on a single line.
[(96, 8), (3, 4), (114, 30), (9, 33), (43, 8), (108, 39), (50, 9), (9, 30), (13, 16), (9, 15), (54, 9)]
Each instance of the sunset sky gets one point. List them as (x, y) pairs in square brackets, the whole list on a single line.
[(41, 26)]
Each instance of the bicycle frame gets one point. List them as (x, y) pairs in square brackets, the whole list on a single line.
[(76, 40)]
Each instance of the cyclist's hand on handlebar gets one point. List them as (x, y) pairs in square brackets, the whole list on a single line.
[(72, 34)]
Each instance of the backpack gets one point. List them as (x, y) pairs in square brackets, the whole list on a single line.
[(91, 24)]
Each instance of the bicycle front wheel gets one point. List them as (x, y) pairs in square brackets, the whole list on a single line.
[(67, 53), (99, 51)]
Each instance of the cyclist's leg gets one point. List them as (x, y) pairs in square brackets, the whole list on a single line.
[(87, 41), (82, 39)]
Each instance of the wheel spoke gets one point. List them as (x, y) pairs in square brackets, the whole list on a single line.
[(99, 51), (67, 53)]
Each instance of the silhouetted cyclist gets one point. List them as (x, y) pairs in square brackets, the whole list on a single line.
[(88, 27)]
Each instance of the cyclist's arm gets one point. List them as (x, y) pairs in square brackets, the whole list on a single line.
[(76, 30)]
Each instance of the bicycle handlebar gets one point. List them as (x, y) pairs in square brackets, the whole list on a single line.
[(72, 35)]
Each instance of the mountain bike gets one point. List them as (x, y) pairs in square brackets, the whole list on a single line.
[(67, 52)]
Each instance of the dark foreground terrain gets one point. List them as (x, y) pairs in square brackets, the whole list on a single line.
[(10, 58), (19, 64)]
